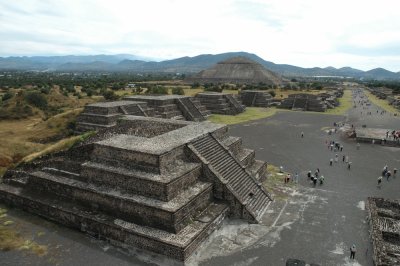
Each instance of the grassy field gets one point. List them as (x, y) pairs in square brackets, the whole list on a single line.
[(382, 103), (251, 113), (32, 135), (345, 104)]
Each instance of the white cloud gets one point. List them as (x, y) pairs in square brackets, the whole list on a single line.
[(308, 33)]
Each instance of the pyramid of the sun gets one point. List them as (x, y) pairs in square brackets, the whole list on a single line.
[(239, 70)]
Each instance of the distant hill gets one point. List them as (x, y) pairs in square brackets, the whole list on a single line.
[(188, 65)]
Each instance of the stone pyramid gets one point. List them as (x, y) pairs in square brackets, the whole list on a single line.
[(240, 70)]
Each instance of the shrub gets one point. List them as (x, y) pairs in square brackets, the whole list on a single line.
[(272, 93), (214, 88), (109, 95), (37, 99), (45, 90), (178, 91), (8, 95)]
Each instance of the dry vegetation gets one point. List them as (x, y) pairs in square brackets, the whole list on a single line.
[(381, 103), (345, 104), (11, 239), (275, 183), (35, 133)]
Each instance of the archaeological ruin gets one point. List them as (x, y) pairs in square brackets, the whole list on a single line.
[(237, 70), (384, 220), (221, 103), (105, 114), (256, 98), (304, 102), (156, 184)]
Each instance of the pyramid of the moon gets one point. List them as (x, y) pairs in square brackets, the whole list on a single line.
[(240, 70)]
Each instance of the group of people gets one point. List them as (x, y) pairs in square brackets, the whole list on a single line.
[(317, 177), (288, 178), (386, 173), (337, 147)]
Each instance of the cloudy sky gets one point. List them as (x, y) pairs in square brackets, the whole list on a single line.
[(364, 34)]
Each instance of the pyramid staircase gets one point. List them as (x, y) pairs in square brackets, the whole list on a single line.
[(244, 188)]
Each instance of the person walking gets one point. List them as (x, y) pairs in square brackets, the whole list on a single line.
[(349, 166), (388, 174), (353, 251), (302, 134), (379, 181), (296, 177), (343, 158), (330, 162)]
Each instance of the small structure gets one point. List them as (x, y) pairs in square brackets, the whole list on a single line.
[(384, 220), (173, 106), (157, 184), (304, 102), (255, 98), (377, 136), (105, 114), (220, 103)]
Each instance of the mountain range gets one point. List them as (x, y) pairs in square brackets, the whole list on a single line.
[(187, 65)]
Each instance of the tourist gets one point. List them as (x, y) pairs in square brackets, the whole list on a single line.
[(309, 174), (314, 180), (394, 172), (343, 158), (321, 180), (330, 162), (388, 174), (379, 181), (358, 145), (302, 134), (296, 177), (341, 147), (336, 158), (349, 166), (353, 251)]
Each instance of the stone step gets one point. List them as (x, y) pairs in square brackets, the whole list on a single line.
[(178, 117), (84, 126), (242, 183), (258, 170), (246, 156), (233, 143), (98, 119), (167, 108), (163, 187), (171, 216), (178, 246)]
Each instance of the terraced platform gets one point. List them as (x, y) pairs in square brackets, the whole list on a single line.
[(157, 184)]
